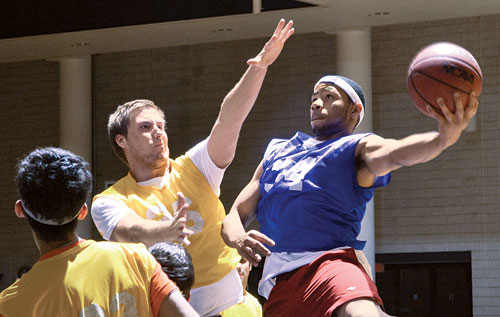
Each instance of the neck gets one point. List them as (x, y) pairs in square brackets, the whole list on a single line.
[(144, 173), (324, 137), (45, 247), (333, 130)]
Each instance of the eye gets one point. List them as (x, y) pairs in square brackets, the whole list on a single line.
[(313, 99), (145, 126), (328, 96)]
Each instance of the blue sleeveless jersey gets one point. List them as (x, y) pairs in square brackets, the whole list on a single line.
[(310, 198)]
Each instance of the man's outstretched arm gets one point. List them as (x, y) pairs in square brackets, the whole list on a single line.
[(381, 156), (240, 100), (249, 244)]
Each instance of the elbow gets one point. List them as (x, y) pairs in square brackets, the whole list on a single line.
[(129, 235)]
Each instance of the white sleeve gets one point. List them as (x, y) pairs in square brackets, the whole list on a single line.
[(106, 213), (200, 157)]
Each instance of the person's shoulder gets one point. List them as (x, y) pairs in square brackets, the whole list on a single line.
[(118, 187), (368, 138), (119, 246), (280, 142)]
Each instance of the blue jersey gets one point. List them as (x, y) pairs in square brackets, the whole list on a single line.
[(310, 197)]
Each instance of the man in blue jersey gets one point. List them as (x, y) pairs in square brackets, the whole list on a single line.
[(309, 194)]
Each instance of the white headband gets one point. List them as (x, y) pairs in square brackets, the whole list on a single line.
[(51, 222), (337, 81)]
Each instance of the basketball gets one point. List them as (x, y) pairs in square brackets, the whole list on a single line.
[(440, 69)]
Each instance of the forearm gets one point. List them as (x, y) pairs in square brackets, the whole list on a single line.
[(382, 156), (417, 148), (144, 231), (234, 110), (232, 228), (240, 100)]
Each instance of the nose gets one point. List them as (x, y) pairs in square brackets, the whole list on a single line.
[(157, 132), (317, 105)]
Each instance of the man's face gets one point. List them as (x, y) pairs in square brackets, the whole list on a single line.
[(329, 110), (146, 143), (244, 268)]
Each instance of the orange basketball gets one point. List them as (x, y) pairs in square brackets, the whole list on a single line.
[(440, 69)]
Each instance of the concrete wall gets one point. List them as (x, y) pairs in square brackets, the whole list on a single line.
[(28, 118)]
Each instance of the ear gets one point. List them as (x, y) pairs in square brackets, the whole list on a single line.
[(356, 110), (83, 212), (18, 209), (120, 140)]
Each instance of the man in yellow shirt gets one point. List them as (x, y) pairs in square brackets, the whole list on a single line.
[(75, 276), (250, 307), (140, 207)]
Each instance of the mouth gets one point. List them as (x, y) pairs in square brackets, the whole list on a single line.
[(316, 118), (160, 146)]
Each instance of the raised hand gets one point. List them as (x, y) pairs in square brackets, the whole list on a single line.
[(251, 246), (451, 125), (273, 47), (178, 224)]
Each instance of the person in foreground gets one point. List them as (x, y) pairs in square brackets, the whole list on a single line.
[(76, 276), (310, 193), (250, 306), (176, 262), (140, 207)]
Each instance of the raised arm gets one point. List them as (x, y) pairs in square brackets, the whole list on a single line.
[(377, 156), (175, 305), (240, 100), (249, 244), (133, 228)]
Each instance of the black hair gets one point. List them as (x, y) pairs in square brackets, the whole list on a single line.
[(23, 269), (53, 184), (176, 262)]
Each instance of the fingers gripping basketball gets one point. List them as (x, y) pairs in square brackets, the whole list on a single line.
[(439, 70)]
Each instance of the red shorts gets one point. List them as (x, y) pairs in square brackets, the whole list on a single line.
[(317, 289)]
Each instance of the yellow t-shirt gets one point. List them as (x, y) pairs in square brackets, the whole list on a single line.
[(250, 307), (87, 279), (212, 258)]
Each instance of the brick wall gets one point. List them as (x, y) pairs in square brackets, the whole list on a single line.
[(28, 118), (451, 203)]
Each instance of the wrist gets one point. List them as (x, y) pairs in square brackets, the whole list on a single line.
[(445, 141), (166, 231)]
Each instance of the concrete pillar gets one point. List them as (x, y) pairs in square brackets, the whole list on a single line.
[(75, 115), (256, 6), (354, 60)]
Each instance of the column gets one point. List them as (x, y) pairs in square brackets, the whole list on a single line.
[(75, 115), (354, 61), (256, 6)]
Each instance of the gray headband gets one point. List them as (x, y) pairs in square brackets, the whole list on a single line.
[(50, 222), (337, 81)]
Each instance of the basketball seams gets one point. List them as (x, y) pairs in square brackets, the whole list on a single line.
[(440, 58), (421, 96), (438, 80), (438, 70)]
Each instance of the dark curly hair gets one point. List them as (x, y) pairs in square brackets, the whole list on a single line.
[(176, 262), (53, 184)]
